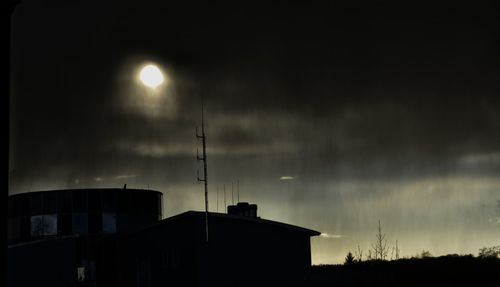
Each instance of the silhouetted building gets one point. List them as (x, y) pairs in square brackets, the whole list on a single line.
[(44, 214), (48, 231), (241, 251), (141, 250)]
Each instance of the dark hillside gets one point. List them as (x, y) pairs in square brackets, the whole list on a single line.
[(450, 270)]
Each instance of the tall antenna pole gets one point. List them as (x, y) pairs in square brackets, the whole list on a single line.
[(224, 197), (238, 188), (204, 159), (217, 199)]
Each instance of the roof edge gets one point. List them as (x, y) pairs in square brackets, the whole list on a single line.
[(236, 217), (80, 189)]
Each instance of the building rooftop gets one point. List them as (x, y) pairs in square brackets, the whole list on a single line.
[(96, 189), (258, 220)]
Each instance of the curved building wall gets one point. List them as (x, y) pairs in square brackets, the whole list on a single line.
[(42, 214)]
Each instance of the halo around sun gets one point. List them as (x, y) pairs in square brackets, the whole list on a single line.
[(151, 76)]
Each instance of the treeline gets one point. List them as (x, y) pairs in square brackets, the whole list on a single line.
[(485, 253), (380, 250), (448, 270), (382, 265)]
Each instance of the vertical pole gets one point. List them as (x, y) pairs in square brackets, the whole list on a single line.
[(217, 199), (225, 205), (232, 193), (204, 159), (238, 189), (205, 169)]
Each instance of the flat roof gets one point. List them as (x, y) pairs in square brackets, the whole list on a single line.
[(258, 220), (87, 189)]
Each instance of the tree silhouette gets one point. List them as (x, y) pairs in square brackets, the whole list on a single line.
[(369, 255), (358, 254), (489, 252), (425, 254), (395, 252), (380, 248), (349, 259)]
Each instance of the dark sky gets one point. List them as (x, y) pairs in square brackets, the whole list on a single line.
[(331, 116)]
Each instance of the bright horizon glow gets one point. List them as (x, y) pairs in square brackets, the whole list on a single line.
[(151, 76)]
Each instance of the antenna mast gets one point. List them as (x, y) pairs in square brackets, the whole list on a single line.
[(204, 159)]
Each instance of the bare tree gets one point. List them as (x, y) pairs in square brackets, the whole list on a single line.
[(380, 248), (369, 256), (358, 254), (397, 250)]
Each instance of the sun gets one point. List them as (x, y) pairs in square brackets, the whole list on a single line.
[(151, 76)]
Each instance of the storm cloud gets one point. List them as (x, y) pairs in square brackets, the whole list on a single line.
[(330, 116)]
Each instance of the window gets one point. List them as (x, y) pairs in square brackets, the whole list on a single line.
[(86, 270), (36, 226), (43, 225), (50, 224), (80, 223), (109, 222), (81, 273)]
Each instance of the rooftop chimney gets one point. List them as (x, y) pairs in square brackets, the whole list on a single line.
[(243, 209)]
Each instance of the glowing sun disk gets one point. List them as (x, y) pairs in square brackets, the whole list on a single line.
[(151, 76)]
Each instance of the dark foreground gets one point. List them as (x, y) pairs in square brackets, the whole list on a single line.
[(436, 271)]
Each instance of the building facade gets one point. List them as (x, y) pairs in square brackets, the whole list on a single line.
[(49, 231), (46, 214), (241, 251), (117, 237)]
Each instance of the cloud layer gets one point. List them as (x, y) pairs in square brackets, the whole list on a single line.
[(331, 117)]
